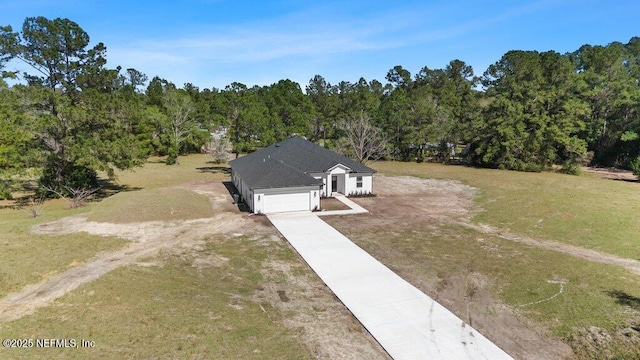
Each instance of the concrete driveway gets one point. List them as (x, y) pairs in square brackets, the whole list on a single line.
[(406, 322)]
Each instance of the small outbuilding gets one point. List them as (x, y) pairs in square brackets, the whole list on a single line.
[(293, 174)]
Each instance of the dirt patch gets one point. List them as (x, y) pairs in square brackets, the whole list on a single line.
[(330, 204), (406, 203), (403, 201), (594, 340), (468, 294), (330, 331)]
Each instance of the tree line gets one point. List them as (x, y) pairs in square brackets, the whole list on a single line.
[(70, 116)]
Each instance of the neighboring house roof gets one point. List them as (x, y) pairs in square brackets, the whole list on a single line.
[(288, 163)]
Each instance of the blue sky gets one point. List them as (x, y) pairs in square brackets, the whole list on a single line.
[(212, 43)]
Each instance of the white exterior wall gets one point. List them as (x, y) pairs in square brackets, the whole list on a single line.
[(367, 184), (242, 188), (347, 183)]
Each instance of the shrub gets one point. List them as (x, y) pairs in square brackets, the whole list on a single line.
[(172, 157), (73, 177), (635, 166), (5, 191), (36, 207), (571, 168)]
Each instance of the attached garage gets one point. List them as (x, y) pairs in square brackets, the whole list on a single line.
[(286, 202), (275, 200)]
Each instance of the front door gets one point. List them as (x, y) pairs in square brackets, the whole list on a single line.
[(334, 183)]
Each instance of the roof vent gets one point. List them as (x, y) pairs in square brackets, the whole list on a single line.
[(263, 160)]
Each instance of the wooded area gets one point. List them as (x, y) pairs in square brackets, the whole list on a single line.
[(71, 116)]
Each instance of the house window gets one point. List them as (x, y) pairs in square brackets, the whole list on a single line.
[(359, 181)]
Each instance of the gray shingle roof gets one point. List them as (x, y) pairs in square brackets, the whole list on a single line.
[(288, 163)]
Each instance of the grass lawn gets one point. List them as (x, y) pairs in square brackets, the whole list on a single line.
[(27, 258), (175, 309), (594, 213), (156, 174), (178, 308), (160, 204)]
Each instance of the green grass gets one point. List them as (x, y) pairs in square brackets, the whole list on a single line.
[(178, 310), (174, 310), (26, 258), (161, 204), (156, 173), (594, 213)]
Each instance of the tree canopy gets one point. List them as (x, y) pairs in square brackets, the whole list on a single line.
[(69, 104), (70, 116)]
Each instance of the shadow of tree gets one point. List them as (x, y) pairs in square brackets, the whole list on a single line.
[(160, 160), (106, 188), (242, 206), (625, 299), (109, 188), (215, 169), (627, 180)]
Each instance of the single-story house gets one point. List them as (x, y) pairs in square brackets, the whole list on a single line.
[(293, 174)]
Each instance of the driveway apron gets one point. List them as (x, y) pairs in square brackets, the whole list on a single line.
[(407, 323)]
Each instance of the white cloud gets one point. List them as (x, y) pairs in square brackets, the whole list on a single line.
[(296, 42)]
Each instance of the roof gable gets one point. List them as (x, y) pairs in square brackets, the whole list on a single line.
[(339, 166)]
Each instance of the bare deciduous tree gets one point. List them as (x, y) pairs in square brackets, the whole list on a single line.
[(180, 121), (365, 141), (219, 147), (76, 197), (36, 206)]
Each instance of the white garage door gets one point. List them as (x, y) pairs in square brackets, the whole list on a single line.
[(286, 202)]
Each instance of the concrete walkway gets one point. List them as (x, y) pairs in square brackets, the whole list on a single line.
[(406, 322)]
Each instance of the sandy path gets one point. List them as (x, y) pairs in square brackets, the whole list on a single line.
[(149, 239), (452, 201), (577, 251)]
